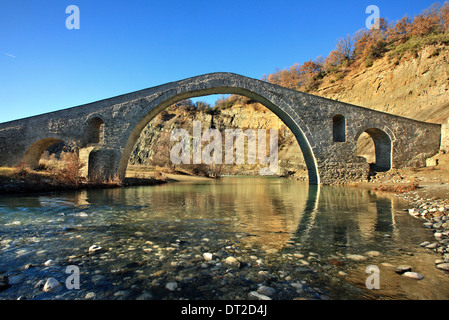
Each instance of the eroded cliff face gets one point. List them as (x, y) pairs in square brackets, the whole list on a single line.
[(416, 86)]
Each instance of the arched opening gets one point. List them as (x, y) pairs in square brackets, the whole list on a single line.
[(34, 153), (376, 147), (237, 122), (339, 128), (54, 158), (288, 120), (95, 131)]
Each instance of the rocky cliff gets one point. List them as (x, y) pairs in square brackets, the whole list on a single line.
[(415, 86)]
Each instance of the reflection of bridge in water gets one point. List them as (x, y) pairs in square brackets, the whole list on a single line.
[(269, 214), (344, 217)]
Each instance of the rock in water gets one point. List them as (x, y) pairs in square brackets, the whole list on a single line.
[(266, 291), (94, 248), (51, 285), (356, 257), (172, 286), (403, 268), (208, 256), (49, 263), (373, 253), (255, 294), (231, 261)]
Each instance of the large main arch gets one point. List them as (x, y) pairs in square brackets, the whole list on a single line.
[(276, 104)]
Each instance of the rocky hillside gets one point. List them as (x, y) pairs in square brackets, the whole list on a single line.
[(415, 86)]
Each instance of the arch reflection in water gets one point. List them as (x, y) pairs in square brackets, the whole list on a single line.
[(256, 211), (337, 217)]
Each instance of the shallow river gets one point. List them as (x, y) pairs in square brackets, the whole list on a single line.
[(298, 240)]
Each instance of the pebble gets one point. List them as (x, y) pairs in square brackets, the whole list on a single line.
[(413, 275), (443, 266), (432, 245), (145, 296), (403, 268), (49, 263), (172, 286), (231, 261), (94, 248), (266, 291), (208, 256), (90, 296), (373, 253), (51, 284), (257, 295), (297, 285), (356, 257)]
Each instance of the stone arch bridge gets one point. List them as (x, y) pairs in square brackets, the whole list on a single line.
[(326, 130)]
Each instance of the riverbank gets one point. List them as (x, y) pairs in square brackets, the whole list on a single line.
[(427, 192), (41, 182)]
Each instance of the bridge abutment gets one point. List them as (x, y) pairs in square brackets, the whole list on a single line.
[(103, 164)]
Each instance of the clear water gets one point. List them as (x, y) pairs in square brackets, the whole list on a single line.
[(283, 232)]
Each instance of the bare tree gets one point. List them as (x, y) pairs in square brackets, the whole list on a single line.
[(344, 47)]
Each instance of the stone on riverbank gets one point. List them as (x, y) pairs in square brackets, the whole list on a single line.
[(443, 266), (413, 275), (403, 268), (233, 262), (266, 291), (94, 249), (373, 253), (171, 286), (51, 284), (256, 295), (356, 257)]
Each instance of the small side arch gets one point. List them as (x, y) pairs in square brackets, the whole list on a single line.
[(34, 152), (383, 148), (339, 128), (95, 130)]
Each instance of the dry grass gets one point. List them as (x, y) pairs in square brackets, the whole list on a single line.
[(398, 188), (69, 171)]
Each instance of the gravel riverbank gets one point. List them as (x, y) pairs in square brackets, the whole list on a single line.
[(430, 204)]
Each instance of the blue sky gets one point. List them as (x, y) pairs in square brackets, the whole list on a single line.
[(125, 46)]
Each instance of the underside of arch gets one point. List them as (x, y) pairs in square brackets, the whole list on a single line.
[(34, 152), (383, 149), (164, 103)]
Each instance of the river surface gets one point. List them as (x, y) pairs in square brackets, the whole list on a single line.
[(298, 240)]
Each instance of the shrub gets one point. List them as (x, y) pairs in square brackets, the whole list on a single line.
[(369, 63), (21, 170), (71, 171)]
